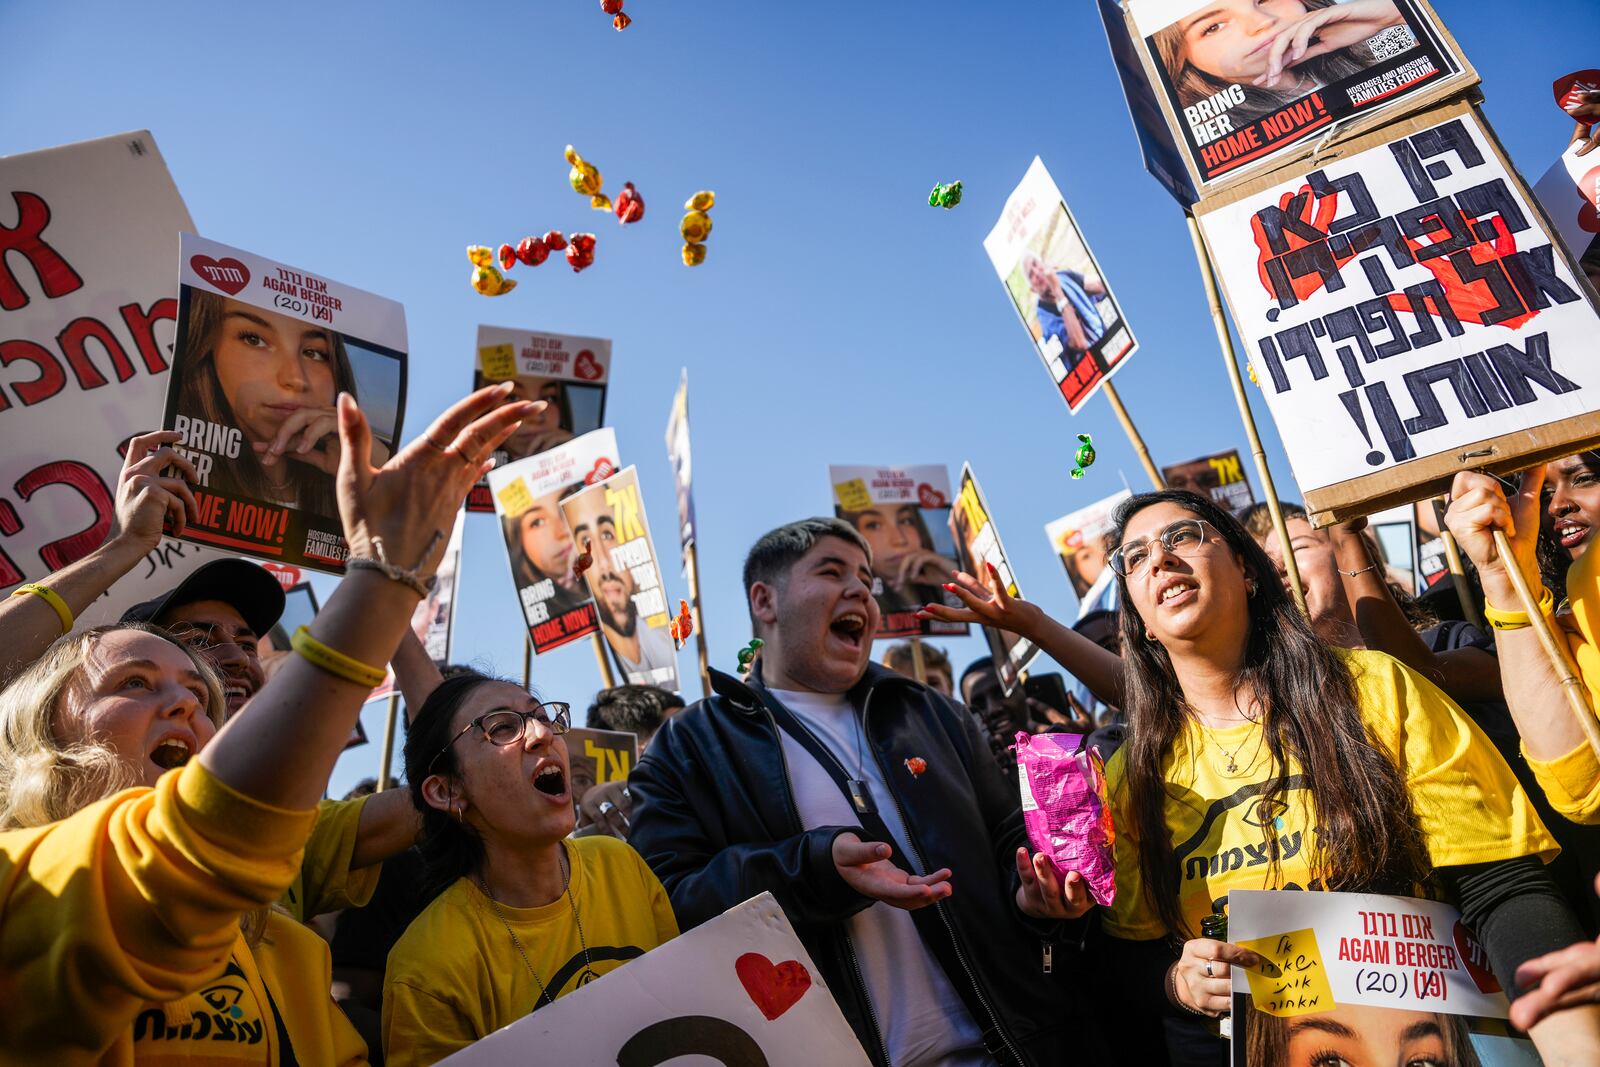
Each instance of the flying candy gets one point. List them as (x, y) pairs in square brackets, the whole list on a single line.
[(584, 561), (614, 7), (696, 227), (580, 251), (508, 257), (532, 251), (945, 196), (747, 654), (682, 626), (916, 765), (630, 205), (486, 278), (1085, 455), (585, 179)]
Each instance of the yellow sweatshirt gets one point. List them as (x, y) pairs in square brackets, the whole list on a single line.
[(1572, 782), (456, 975), (325, 881), (135, 899)]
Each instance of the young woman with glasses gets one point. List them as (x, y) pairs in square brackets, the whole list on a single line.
[(523, 914), (1259, 757)]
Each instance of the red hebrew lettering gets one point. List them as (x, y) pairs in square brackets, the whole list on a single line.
[(73, 341), (142, 325), (74, 475), (55, 274), (1304, 222), (52, 379), (10, 525), (1474, 281)]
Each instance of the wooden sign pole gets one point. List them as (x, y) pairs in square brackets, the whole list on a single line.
[(1133, 435), (384, 759)]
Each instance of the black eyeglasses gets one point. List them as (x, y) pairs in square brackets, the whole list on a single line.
[(503, 726), (1182, 538)]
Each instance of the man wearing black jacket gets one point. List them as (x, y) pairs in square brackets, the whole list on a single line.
[(871, 808)]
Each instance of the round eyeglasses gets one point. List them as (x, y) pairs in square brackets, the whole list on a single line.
[(1182, 538), (503, 726)]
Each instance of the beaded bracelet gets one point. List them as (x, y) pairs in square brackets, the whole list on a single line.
[(1516, 620), (51, 597), (335, 662)]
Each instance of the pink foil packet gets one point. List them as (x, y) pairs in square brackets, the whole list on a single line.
[(1064, 807)]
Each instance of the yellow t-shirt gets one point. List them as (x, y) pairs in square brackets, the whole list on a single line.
[(1572, 782), (456, 975), (1469, 806), (326, 882)]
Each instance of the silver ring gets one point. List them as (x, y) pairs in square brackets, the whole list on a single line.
[(431, 443), (1208, 962), (606, 807), (625, 794)]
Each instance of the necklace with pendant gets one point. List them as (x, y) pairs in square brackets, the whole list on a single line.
[(587, 975)]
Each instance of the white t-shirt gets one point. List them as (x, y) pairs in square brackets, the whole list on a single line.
[(920, 1015)]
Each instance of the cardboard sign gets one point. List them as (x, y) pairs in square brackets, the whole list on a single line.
[(88, 314), (977, 545), (1569, 192), (904, 514), (1407, 315), (1079, 541), (682, 468), (1058, 289), (1234, 113), (263, 352), (1363, 978), (571, 373), (598, 756), (739, 990), (527, 498), (1161, 155), (1220, 477), (607, 520)]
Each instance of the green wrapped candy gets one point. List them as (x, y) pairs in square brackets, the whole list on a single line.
[(945, 196), (1085, 455)]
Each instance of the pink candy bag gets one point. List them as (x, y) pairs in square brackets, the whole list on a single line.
[(1064, 807)]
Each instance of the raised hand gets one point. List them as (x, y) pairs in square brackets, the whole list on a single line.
[(987, 603), (1045, 896), (147, 498), (865, 867), (1479, 507)]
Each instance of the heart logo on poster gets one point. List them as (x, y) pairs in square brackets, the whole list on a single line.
[(288, 576), (603, 469), (1589, 214), (587, 367), (227, 274), (929, 497), (774, 988), (1475, 960)]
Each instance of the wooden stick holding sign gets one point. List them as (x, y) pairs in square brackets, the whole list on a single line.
[(1225, 340), (388, 740), (919, 668), (1133, 436), (1452, 559), (1554, 647), (691, 566), (606, 674)]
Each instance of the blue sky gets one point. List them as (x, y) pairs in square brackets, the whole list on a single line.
[(838, 318)]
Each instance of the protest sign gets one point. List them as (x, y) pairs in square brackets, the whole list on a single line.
[(1220, 478), (598, 756), (88, 313), (1079, 540), (739, 990), (1569, 192), (1362, 978), (433, 620), (1462, 341), (527, 498), (1241, 100), (1161, 156), (570, 373), (904, 514), (263, 352), (607, 521), (1058, 289), (682, 469), (978, 547)]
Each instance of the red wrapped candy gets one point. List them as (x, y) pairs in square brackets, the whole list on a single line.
[(622, 21), (581, 564), (532, 251), (611, 7), (580, 251), (554, 241), (629, 205), (916, 765), (508, 257)]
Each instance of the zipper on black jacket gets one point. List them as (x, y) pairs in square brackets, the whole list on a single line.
[(938, 905), (849, 946)]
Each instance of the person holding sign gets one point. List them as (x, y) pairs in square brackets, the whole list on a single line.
[(142, 845)]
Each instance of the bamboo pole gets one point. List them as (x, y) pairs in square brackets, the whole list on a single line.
[(606, 676), (388, 739), (527, 663), (1458, 572), (919, 667), (1554, 648), (1133, 435), (1225, 340), (691, 567)]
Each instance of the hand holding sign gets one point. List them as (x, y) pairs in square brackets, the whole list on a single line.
[(1204, 974), (865, 867), (146, 498), (1478, 508)]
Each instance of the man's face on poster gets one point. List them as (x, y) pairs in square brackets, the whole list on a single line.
[(611, 584), (1040, 279), (545, 540)]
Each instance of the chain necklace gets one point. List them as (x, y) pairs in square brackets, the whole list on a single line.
[(1231, 766), (587, 975)]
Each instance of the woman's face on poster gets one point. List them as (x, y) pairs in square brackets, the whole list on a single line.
[(542, 422), (892, 532), (1090, 562), (1369, 1037), (1230, 39), (269, 366), (545, 540)]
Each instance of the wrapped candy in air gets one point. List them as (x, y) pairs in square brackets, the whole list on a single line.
[(1065, 810)]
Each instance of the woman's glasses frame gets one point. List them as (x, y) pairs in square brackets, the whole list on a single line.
[(555, 715), (1172, 538)]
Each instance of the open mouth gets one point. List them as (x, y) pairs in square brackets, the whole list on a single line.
[(1174, 592), (173, 752), (1572, 534), (850, 628), (551, 781), (236, 692)]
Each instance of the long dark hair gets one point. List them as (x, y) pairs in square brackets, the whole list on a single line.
[(1367, 835), (200, 396), (450, 849)]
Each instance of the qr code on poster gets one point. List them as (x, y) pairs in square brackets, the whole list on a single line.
[(1391, 42)]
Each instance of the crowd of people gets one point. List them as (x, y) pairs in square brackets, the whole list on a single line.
[(172, 881)]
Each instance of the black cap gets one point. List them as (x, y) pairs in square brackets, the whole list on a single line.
[(251, 589)]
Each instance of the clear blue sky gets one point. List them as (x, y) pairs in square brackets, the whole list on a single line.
[(838, 318)]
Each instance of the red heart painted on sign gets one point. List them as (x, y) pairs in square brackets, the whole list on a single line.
[(1475, 960), (774, 989), (587, 367), (227, 274), (603, 469), (929, 497)]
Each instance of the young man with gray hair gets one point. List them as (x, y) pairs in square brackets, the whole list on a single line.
[(870, 807)]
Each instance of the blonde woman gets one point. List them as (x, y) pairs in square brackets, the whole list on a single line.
[(139, 835)]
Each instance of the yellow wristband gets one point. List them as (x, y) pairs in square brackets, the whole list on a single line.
[(1516, 620), (335, 662), (51, 597)]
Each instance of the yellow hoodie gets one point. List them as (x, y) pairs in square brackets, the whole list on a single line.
[(1572, 782)]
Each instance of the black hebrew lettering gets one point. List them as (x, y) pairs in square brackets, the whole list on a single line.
[(1427, 333), (1450, 137), (1484, 202), (1431, 217), (1361, 207), (1517, 369), (691, 1035), (1533, 272), (1430, 413)]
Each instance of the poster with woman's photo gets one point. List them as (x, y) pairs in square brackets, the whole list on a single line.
[(1357, 978), (571, 373), (1058, 289), (263, 351), (527, 498), (1245, 81), (608, 523), (904, 514), (1079, 539), (977, 548)]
